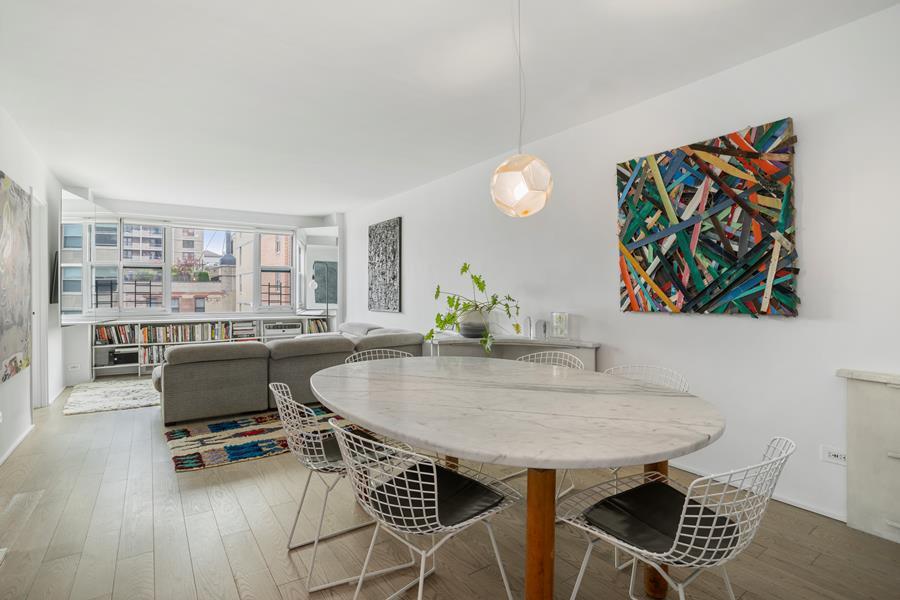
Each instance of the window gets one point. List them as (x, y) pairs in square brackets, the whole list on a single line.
[(72, 236), (106, 243), (71, 298), (207, 272), (275, 269), (142, 287), (106, 235), (105, 288), (142, 243), (126, 266)]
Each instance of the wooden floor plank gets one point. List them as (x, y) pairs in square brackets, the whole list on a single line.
[(91, 507), (54, 579), (134, 578), (173, 573), (212, 572)]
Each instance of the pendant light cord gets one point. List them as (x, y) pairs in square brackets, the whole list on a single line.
[(517, 34)]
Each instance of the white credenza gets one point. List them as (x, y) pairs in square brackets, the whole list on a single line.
[(513, 347), (873, 452)]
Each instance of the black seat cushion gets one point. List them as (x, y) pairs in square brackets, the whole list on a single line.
[(459, 498), (333, 451), (647, 517)]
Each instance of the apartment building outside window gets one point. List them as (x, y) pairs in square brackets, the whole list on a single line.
[(135, 267)]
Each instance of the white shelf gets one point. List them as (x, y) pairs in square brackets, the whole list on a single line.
[(116, 345), (257, 320)]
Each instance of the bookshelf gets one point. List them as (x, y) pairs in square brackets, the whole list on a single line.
[(123, 347)]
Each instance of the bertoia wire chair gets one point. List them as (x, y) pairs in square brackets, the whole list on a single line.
[(314, 445), (554, 358), (653, 375), (376, 354), (412, 496), (659, 522)]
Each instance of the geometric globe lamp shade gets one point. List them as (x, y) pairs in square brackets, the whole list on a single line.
[(521, 186)]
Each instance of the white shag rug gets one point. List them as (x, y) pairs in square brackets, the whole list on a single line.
[(111, 394)]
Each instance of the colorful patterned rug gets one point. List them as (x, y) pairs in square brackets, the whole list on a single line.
[(218, 442)]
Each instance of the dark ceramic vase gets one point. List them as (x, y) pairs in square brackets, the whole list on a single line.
[(473, 325)]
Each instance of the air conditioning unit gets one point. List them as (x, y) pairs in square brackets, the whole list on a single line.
[(278, 329)]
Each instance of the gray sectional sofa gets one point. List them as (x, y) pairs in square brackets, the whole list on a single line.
[(202, 381)]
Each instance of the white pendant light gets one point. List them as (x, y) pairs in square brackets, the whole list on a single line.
[(522, 184)]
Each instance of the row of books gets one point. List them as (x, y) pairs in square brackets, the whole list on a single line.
[(114, 334), (188, 332), (318, 326), (152, 355)]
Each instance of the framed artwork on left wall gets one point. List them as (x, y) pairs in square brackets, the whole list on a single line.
[(384, 266), (15, 278)]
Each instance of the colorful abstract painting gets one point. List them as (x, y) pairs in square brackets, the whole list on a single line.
[(15, 278), (709, 227)]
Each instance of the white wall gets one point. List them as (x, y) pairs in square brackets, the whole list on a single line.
[(769, 376), (20, 162)]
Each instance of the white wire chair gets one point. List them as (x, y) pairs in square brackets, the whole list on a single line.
[(701, 527), (653, 375), (376, 354), (409, 494), (314, 445), (555, 358)]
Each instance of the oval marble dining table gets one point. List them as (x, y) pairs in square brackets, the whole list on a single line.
[(521, 414)]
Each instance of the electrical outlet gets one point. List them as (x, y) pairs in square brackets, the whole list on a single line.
[(833, 455)]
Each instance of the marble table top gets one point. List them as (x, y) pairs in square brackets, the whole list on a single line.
[(517, 413)]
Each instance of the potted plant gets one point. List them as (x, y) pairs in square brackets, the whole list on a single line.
[(471, 316)]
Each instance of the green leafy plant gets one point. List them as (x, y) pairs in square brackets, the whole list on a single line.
[(459, 305)]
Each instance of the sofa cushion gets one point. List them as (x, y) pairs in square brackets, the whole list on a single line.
[(157, 378), (357, 329), (194, 353), (390, 340), (310, 343)]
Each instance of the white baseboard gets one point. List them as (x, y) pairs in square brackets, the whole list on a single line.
[(16, 444), (780, 497)]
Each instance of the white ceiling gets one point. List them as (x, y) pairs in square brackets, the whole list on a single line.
[(306, 107)]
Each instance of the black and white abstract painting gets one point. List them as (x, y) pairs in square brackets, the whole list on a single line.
[(15, 278), (384, 266)]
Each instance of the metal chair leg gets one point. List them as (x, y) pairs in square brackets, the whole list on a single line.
[(560, 492), (634, 568), (362, 574), (422, 578), (583, 569), (499, 561), (312, 563), (727, 581), (321, 538), (299, 510)]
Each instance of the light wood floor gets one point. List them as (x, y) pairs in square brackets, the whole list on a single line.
[(91, 508)]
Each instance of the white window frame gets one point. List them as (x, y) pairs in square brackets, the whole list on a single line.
[(164, 265), (89, 263), (258, 271)]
